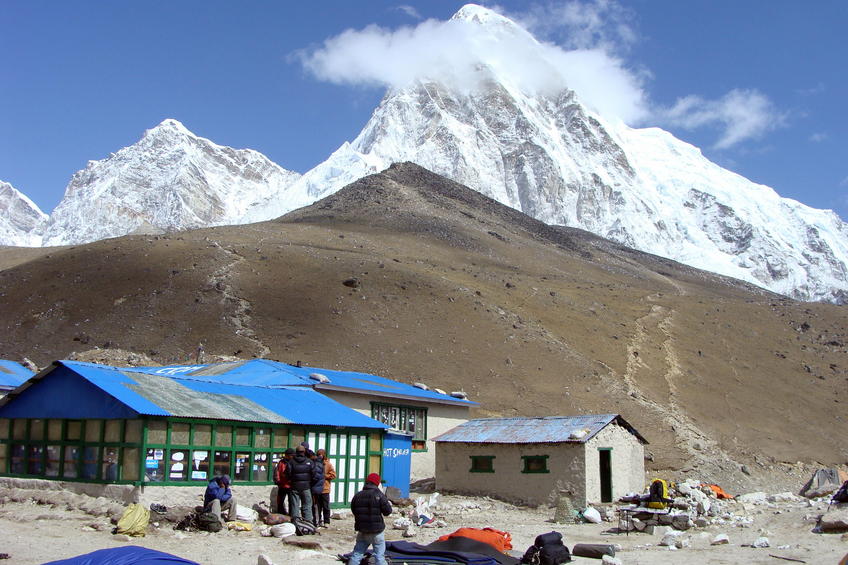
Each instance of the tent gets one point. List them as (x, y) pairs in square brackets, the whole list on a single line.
[(125, 555)]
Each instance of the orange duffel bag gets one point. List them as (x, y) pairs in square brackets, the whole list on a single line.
[(502, 541)]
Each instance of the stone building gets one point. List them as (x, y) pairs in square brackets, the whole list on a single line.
[(594, 458)]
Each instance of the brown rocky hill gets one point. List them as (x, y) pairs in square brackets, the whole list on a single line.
[(411, 276)]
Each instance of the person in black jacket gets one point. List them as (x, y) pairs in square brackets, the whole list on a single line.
[(369, 506), (317, 488), (300, 471)]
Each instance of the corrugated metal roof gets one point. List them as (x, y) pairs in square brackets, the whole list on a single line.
[(550, 429), (163, 395), (263, 372), (381, 386), (13, 374)]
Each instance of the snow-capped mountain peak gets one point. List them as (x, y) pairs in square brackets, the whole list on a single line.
[(21, 221), (170, 179)]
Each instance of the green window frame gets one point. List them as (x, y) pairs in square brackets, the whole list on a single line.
[(65, 449), (406, 418), (482, 464), (535, 464)]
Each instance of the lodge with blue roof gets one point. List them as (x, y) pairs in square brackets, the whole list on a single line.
[(182, 425)]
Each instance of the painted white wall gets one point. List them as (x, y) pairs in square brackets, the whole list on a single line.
[(628, 462), (508, 482), (440, 418)]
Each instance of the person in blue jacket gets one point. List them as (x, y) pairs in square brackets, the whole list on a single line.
[(219, 497)]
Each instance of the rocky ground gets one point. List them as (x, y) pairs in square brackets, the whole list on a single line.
[(39, 527)]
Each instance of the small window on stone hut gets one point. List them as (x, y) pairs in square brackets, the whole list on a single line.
[(535, 464), (482, 464)]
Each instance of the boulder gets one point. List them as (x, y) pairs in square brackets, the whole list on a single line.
[(720, 539), (753, 498), (834, 521), (760, 542), (675, 538)]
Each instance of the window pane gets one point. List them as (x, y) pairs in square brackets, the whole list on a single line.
[(54, 430), (73, 454), (375, 443), (242, 472), (179, 463), (113, 431), (90, 454), (129, 464), (297, 436), (132, 431), (222, 464), (54, 455), (281, 437), (92, 431), (202, 434), (261, 464), (110, 464), (157, 432), (262, 438), (18, 460), (4, 428), (154, 464), (36, 430), (73, 430), (19, 429), (242, 436), (179, 433), (35, 466), (3, 458), (224, 436), (199, 465)]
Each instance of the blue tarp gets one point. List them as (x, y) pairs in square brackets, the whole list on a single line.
[(126, 555)]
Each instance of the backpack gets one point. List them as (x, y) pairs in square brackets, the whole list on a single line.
[(658, 494), (304, 527), (209, 522), (547, 549), (841, 495)]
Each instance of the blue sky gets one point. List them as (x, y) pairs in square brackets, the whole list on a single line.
[(759, 86)]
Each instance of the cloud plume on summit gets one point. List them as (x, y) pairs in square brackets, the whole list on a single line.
[(454, 50)]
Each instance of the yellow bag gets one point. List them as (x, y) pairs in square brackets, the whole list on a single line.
[(134, 520), (658, 494), (240, 526)]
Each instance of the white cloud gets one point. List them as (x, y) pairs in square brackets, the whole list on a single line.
[(453, 51), (819, 137), (595, 24), (588, 56), (409, 11), (740, 115)]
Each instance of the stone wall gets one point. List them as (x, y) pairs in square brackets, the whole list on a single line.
[(127, 494), (565, 463)]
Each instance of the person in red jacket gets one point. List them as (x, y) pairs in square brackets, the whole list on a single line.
[(282, 481)]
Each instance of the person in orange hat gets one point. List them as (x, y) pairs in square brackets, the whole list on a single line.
[(369, 506)]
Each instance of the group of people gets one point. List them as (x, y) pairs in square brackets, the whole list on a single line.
[(303, 481)]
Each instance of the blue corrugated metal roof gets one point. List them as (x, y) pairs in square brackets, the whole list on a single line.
[(550, 429), (263, 372), (13, 374), (149, 392), (357, 382)]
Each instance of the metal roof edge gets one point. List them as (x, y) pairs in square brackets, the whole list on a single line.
[(368, 392)]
